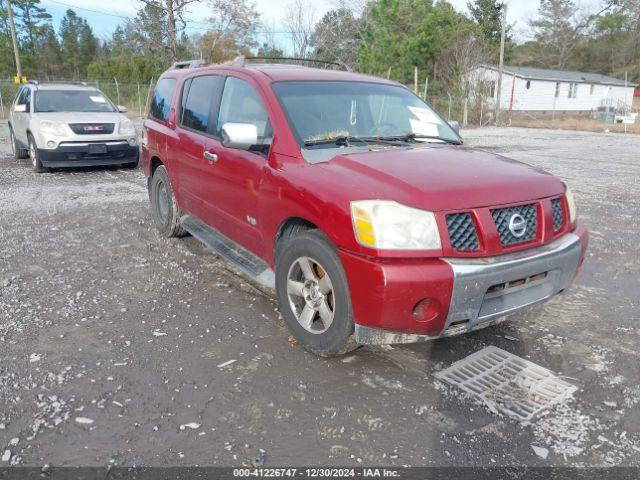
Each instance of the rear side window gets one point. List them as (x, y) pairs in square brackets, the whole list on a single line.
[(242, 104), (161, 100), (200, 98)]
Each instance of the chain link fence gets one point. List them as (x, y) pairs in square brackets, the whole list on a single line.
[(134, 96)]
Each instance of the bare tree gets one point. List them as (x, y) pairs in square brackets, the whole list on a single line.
[(174, 10), (235, 21), (300, 19), (560, 28), (457, 64)]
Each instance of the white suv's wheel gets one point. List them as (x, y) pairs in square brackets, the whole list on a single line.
[(16, 150), (33, 154)]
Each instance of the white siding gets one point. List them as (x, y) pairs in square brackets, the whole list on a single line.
[(540, 96)]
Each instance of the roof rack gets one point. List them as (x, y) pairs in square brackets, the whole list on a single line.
[(242, 61), (46, 82), (187, 64)]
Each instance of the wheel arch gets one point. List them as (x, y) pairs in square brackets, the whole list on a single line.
[(288, 227)]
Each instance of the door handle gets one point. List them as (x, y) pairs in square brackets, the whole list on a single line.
[(212, 157)]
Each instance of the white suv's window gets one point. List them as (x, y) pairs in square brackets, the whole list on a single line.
[(72, 101), (24, 97)]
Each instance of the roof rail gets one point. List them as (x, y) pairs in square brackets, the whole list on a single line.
[(187, 64), (242, 61), (62, 82)]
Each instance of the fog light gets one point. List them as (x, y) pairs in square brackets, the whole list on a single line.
[(426, 309), (133, 142), (51, 144)]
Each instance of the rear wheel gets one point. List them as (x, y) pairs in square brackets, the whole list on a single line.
[(313, 295), (33, 154), (16, 149), (164, 207)]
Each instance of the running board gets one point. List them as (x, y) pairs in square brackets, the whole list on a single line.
[(239, 258)]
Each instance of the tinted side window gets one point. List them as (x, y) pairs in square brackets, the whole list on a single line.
[(24, 96), (161, 100), (199, 98), (242, 104)]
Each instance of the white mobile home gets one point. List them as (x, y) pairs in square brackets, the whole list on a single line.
[(539, 90)]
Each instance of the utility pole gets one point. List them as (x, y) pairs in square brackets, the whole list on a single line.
[(501, 65), (15, 41)]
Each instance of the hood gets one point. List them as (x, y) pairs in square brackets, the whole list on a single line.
[(81, 117), (442, 177)]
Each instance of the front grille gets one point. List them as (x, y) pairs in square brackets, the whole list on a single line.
[(462, 232), (92, 128), (503, 216), (558, 214)]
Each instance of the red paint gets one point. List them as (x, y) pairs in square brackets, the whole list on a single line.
[(385, 285)]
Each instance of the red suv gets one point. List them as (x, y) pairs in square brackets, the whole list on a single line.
[(356, 201)]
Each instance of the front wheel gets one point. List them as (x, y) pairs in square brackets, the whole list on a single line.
[(164, 206), (33, 154), (313, 294), (16, 149)]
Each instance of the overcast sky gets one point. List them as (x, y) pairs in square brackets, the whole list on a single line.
[(518, 12)]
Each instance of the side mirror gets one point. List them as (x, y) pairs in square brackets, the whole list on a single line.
[(122, 109), (20, 108), (239, 135), (455, 125)]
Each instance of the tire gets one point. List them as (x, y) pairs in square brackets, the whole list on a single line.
[(303, 260), (33, 154), (18, 152), (164, 207)]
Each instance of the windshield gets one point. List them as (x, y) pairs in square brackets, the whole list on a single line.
[(320, 112), (72, 101)]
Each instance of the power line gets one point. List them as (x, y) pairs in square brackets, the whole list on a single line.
[(130, 19)]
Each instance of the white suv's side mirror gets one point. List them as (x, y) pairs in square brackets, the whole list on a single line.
[(122, 109), (20, 108), (239, 135)]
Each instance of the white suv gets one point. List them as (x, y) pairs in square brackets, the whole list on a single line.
[(61, 125)]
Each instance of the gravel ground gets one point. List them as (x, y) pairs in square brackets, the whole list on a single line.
[(113, 341)]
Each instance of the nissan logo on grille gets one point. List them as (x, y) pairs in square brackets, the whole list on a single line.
[(517, 225), (93, 128)]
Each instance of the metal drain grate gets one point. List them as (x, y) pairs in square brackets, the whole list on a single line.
[(507, 383)]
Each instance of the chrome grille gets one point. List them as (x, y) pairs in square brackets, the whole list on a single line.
[(558, 214), (462, 232), (502, 217), (92, 128)]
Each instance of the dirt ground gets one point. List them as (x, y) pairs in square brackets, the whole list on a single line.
[(113, 340)]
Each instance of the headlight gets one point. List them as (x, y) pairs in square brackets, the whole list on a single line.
[(385, 225), (54, 128), (571, 203), (127, 128)]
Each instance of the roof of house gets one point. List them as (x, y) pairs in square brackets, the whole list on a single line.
[(562, 75)]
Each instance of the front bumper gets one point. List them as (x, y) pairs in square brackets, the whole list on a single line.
[(474, 293), (86, 154)]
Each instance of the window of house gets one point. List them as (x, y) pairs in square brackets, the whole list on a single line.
[(492, 89), (557, 89), (573, 90), (592, 89), (199, 96), (528, 84), (161, 100)]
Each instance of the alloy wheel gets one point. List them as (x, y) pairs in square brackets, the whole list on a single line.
[(310, 294)]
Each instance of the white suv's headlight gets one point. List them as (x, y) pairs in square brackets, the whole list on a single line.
[(127, 128), (383, 224), (571, 203), (53, 128)]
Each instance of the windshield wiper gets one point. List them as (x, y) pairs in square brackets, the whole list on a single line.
[(346, 141), (412, 137)]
